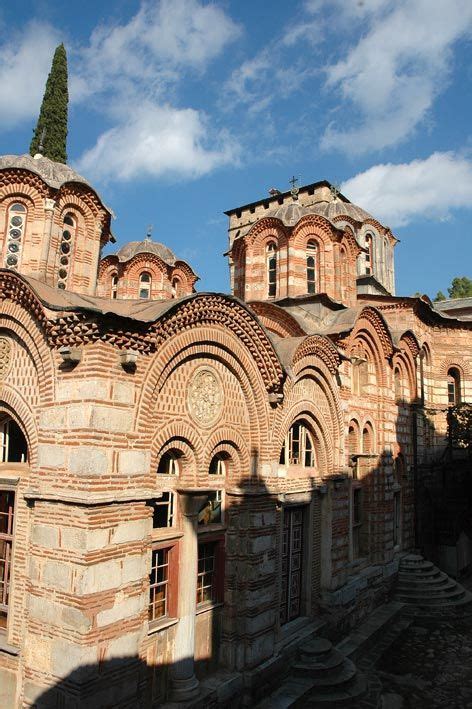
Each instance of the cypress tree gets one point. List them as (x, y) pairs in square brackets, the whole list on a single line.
[(51, 128)]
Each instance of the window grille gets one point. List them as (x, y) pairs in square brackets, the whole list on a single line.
[(298, 447), (271, 270), (7, 509), (163, 511)]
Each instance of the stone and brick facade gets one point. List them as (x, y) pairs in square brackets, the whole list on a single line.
[(189, 481)]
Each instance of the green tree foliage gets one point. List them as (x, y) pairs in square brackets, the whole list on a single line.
[(461, 287), (439, 296), (51, 128), (460, 426)]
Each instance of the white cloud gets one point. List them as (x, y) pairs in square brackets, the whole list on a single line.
[(395, 71), (136, 69), (162, 37), (158, 141), (400, 194), (24, 65)]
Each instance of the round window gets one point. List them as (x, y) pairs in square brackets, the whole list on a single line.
[(64, 260), (65, 248), (13, 247), (12, 260), (16, 221), (61, 285), (62, 273), (66, 235), (15, 233)]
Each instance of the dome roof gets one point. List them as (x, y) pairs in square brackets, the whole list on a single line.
[(54, 174), (291, 212), (146, 247)]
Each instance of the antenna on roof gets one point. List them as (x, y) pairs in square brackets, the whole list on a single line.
[(335, 191), (294, 191), (149, 232)]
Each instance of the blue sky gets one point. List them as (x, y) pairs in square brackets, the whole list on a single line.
[(181, 109)]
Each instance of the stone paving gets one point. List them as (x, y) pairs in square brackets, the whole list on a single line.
[(429, 665)]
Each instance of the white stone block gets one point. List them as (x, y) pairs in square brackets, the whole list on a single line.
[(134, 462), (131, 531), (45, 536), (51, 456), (120, 611), (123, 392), (111, 419), (88, 460), (53, 418)]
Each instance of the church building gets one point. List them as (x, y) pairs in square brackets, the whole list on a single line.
[(190, 481)]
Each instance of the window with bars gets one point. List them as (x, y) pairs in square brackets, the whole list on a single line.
[(292, 563), (7, 511), (114, 286), (298, 448), (396, 518), (210, 571), (13, 445), (369, 256), (358, 526), (311, 267), (145, 285), (163, 582), (218, 464), (163, 511), (453, 387), (271, 256), (169, 463)]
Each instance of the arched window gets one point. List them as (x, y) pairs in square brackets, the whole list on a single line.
[(15, 232), (367, 439), (369, 257), (298, 448), (360, 376), (453, 387), (271, 259), (169, 463), (114, 286), (176, 288), (69, 228), (398, 384), (311, 267), (353, 438), (145, 285), (218, 464), (13, 445)]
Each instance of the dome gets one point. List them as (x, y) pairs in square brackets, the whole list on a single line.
[(146, 247), (54, 174), (291, 212)]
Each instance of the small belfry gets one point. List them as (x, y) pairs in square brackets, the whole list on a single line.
[(50, 134)]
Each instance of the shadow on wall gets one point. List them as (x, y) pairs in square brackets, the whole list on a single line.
[(345, 513), (143, 681)]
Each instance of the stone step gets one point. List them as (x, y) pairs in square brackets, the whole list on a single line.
[(430, 573), (343, 676), (428, 589), (317, 648), (328, 662), (422, 600), (429, 582), (329, 668), (331, 697), (416, 568)]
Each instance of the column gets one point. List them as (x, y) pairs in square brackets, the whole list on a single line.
[(184, 682)]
